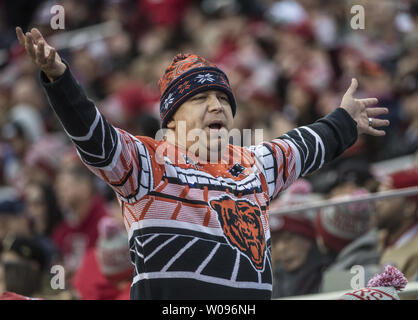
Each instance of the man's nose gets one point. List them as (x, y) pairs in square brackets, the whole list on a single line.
[(214, 104)]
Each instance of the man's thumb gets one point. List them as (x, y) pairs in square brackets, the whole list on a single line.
[(353, 87)]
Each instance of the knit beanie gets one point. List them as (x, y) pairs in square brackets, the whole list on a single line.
[(188, 75), (300, 223), (405, 179), (340, 225), (384, 286), (112, 249)]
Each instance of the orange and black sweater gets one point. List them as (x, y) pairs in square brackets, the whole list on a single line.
[(196, 230)]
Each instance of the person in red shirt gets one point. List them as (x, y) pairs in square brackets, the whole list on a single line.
[(106, 270), (82, 209)]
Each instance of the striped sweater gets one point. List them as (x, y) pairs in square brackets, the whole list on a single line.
[(196, 230)]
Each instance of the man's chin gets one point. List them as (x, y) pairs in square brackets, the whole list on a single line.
[(216, 147)]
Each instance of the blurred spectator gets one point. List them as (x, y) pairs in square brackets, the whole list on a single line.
[(106, 270), (403, 139), (167, 13), (338, 226), (353, 172), (42, 208), (345, 232), (14, 151), (27, 106), (44, 215), (12, 220), (130, 101), (42, 158), (82, 210), (297, 261), (397, 219), (22, 263)]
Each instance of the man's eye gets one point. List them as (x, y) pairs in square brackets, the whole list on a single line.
[(224, 99), (199, 98)]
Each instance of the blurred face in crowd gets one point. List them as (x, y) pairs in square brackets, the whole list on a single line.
[(5, 220), (208, 113), (409, 105), (36, 207), (72, 190), (390, 213), (290, 250), (26, 91), (12, 223)]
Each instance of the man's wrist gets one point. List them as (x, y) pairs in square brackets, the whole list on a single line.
[(57, 74)]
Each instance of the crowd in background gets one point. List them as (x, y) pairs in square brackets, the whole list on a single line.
[(289, 63)]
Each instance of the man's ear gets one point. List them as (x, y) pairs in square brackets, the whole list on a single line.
[(171, 124)]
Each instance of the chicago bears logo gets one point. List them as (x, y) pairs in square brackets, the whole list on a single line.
[(242, 226)]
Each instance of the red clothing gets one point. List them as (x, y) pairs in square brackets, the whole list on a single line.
[(75, 240), (92, 284), (7, 295), (164, 12)]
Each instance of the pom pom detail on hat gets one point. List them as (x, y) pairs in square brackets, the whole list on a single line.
[(382, 286), (391, 277)]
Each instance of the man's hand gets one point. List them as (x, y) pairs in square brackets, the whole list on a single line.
[(42, 54), (357, 108)]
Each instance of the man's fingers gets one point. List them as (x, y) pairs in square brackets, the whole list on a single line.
[(368, 102), (40, 52), (20, 36), (51, 56), (353, 87), (377, 123), (374, 132), (30, 48), (375, 112), (37, 35)]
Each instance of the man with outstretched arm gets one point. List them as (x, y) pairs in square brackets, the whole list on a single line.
[(198, 229)]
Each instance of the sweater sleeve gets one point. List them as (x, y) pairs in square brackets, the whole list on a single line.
[(305, 149), (114, 155)]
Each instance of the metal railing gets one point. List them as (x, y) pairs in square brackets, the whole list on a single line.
[(405, 192)]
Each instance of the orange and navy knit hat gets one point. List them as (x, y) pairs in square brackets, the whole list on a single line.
[(188, 75)]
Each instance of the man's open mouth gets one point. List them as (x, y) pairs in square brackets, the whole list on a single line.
[(216, 125)]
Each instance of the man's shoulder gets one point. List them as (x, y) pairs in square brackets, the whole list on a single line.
[(149, 142), (243, 155)]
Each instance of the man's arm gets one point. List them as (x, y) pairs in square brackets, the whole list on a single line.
[(112, 154), (306, 149)]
